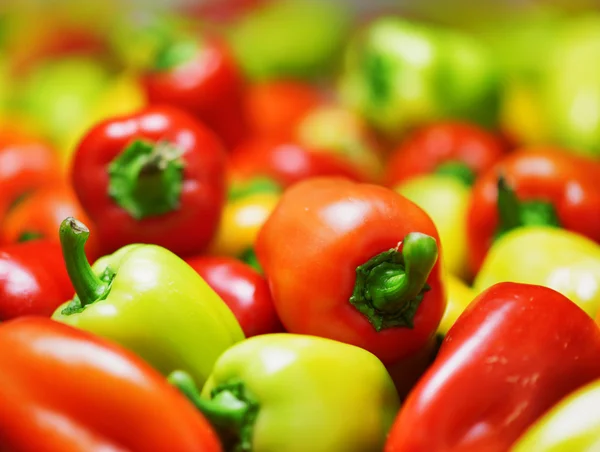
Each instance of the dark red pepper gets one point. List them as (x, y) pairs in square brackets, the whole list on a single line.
[(33, 279), (156, 176), (515, 352), (458, 148), (202, 77), (243, 289)]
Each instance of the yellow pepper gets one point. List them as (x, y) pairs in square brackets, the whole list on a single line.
[(445, 199), (458, 296), (562, 260)]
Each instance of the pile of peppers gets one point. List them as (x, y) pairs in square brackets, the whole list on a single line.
[(220, 234)]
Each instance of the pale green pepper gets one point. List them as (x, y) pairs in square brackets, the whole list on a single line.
[(547, 256), (149, 300), (296, 393)]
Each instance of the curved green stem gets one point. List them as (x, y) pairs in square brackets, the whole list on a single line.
[(390, 286), (458, 170), (146, 179), (228, 410), (88, 286), (508, 206)]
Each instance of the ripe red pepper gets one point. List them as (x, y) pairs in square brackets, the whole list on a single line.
[(450, 147), (532, 187), (202, 77), (243, 289), (357, 263), (66, 390), (286, 163), (273, 108), (33, 279), (40, 215), (26, 163), (156, 176), (516, 351)]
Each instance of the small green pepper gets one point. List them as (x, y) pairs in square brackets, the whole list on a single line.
[(296, 393), (149, 300)]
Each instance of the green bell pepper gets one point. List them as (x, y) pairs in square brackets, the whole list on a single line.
[(297, 393), (400, 74), (573, 425), (149, 300), (547, 256)]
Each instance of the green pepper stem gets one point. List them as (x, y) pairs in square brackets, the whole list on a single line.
[(88, 286), (225, 410), (253, 186), (458, 170), (390, 286), (508, 206)]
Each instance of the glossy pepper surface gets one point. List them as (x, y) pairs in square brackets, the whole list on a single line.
[(573, 424), (26, 163), (562, 260), (150, 301), (201, 76), (243, 289), (356, 263), (515, 352), (533, 186), (33, 279), (39, 215), (460, 149), (156, 176), (274, 393), (65, 390)]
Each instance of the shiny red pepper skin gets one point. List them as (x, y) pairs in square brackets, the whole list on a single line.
[(286, 163), (569, 182), (66, 390), (443, 142), (188, 229), (209, 85), (26, 163), (33, 279), (515, 352), (310, 247), (243, 289)]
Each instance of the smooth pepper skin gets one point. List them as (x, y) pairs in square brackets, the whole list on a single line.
[(310, 247), (303, 387), (515, 352), (202, 77), (156, 305), (65, 390), (286, 162), (443, 142), (26, 163), (33, 279), (183, 149), (566, 181), (40, 214), (562, 260), (573, 424), (243, 289)]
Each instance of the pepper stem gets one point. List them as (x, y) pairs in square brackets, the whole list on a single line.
[(228, 411), (514, 213), (390, 286), (458, 170), (146, 179), (88, 286)]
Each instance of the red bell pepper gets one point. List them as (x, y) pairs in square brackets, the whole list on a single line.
[(273, 108), (286, 163), (532, 187), (516, 351), (357, 263), (461, 149), (156, 176), (26, 163), (243, 289), (33, 279), (202, 77), (66, 390), (40, 215)]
